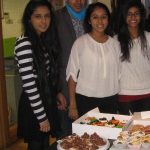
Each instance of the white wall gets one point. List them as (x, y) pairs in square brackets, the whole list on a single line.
[(15, 9), (106, 2)]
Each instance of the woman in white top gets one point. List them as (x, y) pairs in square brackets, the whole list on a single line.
[(134, 95), (93, 66)]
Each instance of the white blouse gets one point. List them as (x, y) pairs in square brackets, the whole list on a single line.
[(95, 66), (135, 75)]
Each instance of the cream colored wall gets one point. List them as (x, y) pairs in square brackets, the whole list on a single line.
[(106, 2), (15, 8)]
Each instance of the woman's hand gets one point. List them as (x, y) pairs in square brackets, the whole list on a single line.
[(73, 113), (61, 102), (45, 126)]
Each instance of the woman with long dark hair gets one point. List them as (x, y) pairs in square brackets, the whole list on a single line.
[(135, 67), (93, 66), (36, 55)]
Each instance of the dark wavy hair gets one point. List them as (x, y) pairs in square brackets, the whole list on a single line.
[(124, 35), (47, 41), (90, 10)]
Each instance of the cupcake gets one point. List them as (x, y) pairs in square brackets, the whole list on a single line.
[(124, 134), (134, 145), (146, 144), (120, 144)]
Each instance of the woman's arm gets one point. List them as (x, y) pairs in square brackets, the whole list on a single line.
[(73, 113), (72, 77), (24, 57)]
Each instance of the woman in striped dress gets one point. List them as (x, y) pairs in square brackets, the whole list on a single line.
[(35, 54)]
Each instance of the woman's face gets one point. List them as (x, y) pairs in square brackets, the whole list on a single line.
[(99, 20), (133, 18), (40, 19)]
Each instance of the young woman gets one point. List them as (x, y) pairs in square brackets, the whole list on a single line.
[(135, 67), (35, 53), (93, 66)]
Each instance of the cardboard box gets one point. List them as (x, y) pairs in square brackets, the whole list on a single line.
[(142, 122), (106, 132), (138, 118), (144, 115)]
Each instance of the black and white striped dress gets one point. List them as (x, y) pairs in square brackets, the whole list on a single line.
[(32, 108)]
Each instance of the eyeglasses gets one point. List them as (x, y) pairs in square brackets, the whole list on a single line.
[(39, 16), (137, 14)]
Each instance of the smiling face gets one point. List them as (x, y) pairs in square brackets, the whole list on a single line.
[(76, 5), (133, 18), (98, 20), (40, 19)]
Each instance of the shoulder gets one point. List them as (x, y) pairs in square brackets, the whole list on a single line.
[(81, 39), (115, 36), (147, 34), (60, 12), (22, 43), (114, 44), (23, 39), (79, 43), (61, 16), (113, 40)]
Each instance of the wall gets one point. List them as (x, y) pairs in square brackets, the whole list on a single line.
[(106, 2), (12, 27)]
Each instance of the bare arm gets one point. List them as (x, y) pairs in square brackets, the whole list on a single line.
[(73, 112)]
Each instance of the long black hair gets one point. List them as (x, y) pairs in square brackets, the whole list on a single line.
[(116, 18), (46, 42), (124, 35), (90, 10)]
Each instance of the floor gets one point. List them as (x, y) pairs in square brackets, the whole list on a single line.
[(20, 145)]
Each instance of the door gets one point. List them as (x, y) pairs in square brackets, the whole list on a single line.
[(4, 127), (10, 85)]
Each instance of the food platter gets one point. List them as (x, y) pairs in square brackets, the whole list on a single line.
[(113, 122), (80, 141)]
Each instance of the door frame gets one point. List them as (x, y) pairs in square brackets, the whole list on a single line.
[(7, 134)]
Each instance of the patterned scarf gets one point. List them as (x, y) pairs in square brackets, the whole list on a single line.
[(77, 15)]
